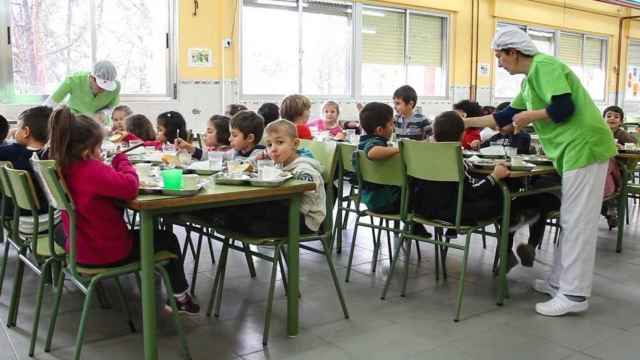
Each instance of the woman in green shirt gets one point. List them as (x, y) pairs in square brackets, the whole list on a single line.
[(94, 94), (575, 138)]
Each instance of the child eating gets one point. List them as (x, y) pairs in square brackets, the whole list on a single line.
[(330, 123), (295, 108), (217, 138), (246, 129)]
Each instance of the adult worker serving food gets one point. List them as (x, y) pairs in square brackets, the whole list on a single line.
[(578, 142), (93, 93)]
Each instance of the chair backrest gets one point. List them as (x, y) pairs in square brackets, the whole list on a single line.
[(23, 190), (346, 156), (381, 172), (325, 153), (4, 181), (52, 184), (434, 162)]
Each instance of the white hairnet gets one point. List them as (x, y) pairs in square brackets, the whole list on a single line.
[(512, 37)]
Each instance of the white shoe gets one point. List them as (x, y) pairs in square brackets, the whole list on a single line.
[(543, 286), (561, 305)]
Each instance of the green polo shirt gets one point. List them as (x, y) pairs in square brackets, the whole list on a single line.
[(582, 139), (81, 99)]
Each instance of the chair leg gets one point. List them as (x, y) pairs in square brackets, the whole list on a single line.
[(437, 233), (283, 273), (174, 311), (103, 299), (15, 295), (406, 269), (334, 276), (444, 250), (55, 310), (376, 247), (83, 318), (418, 250), (125, 304), (353, 247), (247, 255), (272, 286), (484, 238), (221, 285), (3, 266), (211, 254), (219, 273), (393, 267), (196, 263), (46, 270), (462, 275)]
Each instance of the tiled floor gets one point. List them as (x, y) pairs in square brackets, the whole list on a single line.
[(418, 326)]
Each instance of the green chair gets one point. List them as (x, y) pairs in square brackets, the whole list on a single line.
[(386, 172), (86, 279), (440, 162), (325, 153), (6, 222)]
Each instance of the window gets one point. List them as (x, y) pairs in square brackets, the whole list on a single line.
[(309, 47), (296, 47), (584, 54), (632, 88), (51, 39)]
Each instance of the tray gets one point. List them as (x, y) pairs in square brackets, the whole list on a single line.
[(224, 179), (270, 183), (537, 160), (523, 167), (182, 192), (202, 168)]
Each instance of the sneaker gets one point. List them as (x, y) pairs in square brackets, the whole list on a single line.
[(612, 221), (561, 305), (527, 254), (185, 306), (542, 286)]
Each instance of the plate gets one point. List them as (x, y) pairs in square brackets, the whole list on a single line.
[(483, 163), (537, 159), (270, 182), (202, 168), (182, 192), (225, 179), (524, 167)]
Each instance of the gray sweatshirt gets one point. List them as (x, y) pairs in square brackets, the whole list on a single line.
[(313, 205)]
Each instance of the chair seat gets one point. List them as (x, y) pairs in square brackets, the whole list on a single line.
[(264, 241), (26, 223), (395, 217), (445, 224), (43, 248), (555, 214), (160, 256)]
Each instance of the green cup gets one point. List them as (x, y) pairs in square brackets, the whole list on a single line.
[(172, 179)]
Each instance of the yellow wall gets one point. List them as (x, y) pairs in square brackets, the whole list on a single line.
[(218, 19)]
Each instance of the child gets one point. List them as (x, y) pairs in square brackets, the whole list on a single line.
[(4, 130), (98, 190), (614, 115), (233, 109), (140, 126), (506, 137), (31, 136), (481, 197), (271, 219), (295, 108), (330, 123), (118, 117), (246, 129), (170, 126), (409, 124), (467, 108), (269, 112), (217, 138)]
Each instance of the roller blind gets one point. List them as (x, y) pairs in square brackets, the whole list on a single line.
[(593, 52), (570, 49), (382, 36), (634, 54), (425, 39)]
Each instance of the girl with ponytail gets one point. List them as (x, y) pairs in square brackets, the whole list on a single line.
[(103, 238)]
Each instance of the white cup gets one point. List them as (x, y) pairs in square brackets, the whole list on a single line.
[(629, 146), (143, 169), (190, 181), (262, 165)]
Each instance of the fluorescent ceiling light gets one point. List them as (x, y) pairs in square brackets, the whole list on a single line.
[(372, 13)]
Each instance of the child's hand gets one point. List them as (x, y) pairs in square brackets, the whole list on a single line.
[(184, 145), (475, 144), (500, 171), (340, 136)]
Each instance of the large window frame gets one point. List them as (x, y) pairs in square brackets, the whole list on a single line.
[(171, 88), (355, 90), (556, 48)]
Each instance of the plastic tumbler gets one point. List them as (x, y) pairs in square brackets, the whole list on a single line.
[(172, 179)]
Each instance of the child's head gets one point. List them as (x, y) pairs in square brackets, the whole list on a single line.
[(405, 99), (468, 108), (140, 126), (4, 128), (118, 116), (295, 108), (171, 125), (246, 129), (282, 141), (331, 112), (502, 106), (270, 112), (73, 137), (488, 110), (33, 126), (233, 109), (217, 131), (614, 115), (448, 126), (377, 119)]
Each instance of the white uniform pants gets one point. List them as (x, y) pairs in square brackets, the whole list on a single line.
[(574, 259)]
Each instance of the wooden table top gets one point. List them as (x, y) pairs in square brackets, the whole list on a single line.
[(216, 194), (628, 155), (537, 171)]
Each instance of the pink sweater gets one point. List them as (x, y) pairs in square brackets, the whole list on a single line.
[(321, 126), (102, 235)]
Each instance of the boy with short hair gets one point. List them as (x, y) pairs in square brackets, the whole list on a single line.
[(31, 136), (246, 128), (4, 130), (271, 219), (408, 123), (508, 138), (295, 108), (614, 116), (468, 108)]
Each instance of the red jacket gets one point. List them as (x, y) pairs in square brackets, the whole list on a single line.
[(304, 132), (102, 235), (470, 135), (155, 143)]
